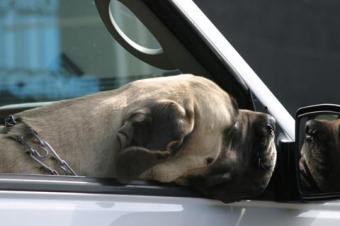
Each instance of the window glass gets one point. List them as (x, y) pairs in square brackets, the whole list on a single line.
[(131, 26), (58, 49)]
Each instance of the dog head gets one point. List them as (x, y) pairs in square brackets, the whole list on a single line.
[(197, 136), (320, 154), (246, 162)]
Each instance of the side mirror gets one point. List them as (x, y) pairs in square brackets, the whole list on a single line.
[(317, 152)]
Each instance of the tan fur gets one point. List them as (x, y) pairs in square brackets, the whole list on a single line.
[(84, 130)]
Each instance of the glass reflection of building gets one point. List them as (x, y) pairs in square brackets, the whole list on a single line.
[(57, 49), (29, 44)]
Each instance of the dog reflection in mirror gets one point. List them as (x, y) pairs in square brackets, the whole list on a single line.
[(183, 129), (320, 156)]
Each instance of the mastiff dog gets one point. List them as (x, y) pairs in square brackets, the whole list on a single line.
[(320, 156), (182, 129)]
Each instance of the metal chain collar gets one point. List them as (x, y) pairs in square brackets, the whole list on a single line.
[(40, 151)]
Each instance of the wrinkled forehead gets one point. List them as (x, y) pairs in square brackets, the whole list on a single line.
[(218, 108), (212, 102), (330, 131), (330, 125), (247, 119), (253, 123)]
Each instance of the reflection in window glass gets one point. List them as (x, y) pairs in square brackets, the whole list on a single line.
[(57, 49), (132, 26)]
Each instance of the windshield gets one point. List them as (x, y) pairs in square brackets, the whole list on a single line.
[(52, 50)]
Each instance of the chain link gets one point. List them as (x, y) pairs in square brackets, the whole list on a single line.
[(42, 152)]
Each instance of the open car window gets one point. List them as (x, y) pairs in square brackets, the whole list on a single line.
[(59, 50), (69, 48)]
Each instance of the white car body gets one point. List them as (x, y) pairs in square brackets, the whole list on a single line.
[(75, 209)]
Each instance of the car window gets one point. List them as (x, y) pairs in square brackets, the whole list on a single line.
[(58, 49), (52, 50), (62, 49)]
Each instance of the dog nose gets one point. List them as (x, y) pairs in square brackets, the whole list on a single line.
[(270, 124), (311, 128)]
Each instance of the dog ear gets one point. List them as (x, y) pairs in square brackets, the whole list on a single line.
[(150, 135)]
